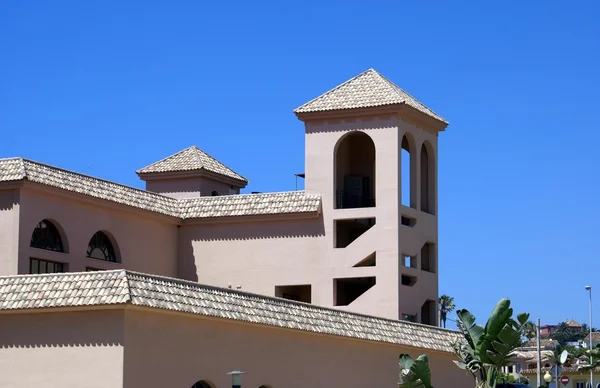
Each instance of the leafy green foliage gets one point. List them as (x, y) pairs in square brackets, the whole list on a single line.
[(506, 378), (486, 349), (446, 306), (563, 333), (530, 330), (414, 373)]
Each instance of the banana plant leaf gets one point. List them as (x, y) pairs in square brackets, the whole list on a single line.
[(471, 330), (414, 373), (498, 321)]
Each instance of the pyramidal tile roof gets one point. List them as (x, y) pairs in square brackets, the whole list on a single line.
[(122, 287), (191, 159), (368, 89)]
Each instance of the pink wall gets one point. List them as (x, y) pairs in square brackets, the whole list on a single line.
[(261, 255), (9, 231), (62, 350), (171, 350), (158, 349), (188, 187), (388, 297), (257, 255), (146, 243)]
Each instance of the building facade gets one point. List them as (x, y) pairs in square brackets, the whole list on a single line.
[(346, 241), (107, 286), (121, 329)]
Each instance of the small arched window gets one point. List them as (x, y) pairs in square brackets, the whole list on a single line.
[(202, 384), (215, 193), (46, 236), (101, 248)]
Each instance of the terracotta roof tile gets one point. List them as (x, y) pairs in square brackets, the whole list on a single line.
[(23, 292), (544, 342), (573, 323), (191, 159), (63, 290), (250, 204), (11, 169), (203, 207), (595, 336), (98, 188), (565, 369), (368, 89)]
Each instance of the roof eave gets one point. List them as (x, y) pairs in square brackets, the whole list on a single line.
[(402, 110), (13, 184), (350, 112), (252, 218), (198, 173)]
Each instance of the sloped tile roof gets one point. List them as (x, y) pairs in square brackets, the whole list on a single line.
[(564, 369), (11, 169), (544, 342), (250, 204), (24, 292), (83, 184), (573, 323), (595, 337), (16, 169), (63, 290), (368, 89), (191, 159)]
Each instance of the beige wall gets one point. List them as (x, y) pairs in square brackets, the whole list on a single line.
[(188, 187), (257, 255), (145, 243), (156, 349), (261, 255), (62, 350), (388, 238), (9, 231), (169, 350)]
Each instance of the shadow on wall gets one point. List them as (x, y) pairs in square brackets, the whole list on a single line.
[(240, 231), (87, 329), (8, 200), (345, 125), (258, 230)]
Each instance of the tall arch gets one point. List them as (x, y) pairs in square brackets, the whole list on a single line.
[(427, 179), (103, 247), (48, 235), (203, 384), (408, 171), (354, 171)]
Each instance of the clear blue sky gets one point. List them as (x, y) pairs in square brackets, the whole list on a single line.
[(106, 87)]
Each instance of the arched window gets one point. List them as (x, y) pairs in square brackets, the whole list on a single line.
[(203, 384), (101, 248), (427, 179), (215, 193), (46, 236), (354, 171), (408, 176)]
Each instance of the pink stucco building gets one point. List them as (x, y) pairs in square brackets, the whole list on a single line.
[(326, 273)]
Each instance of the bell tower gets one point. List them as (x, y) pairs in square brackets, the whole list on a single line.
[(382, 253)]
